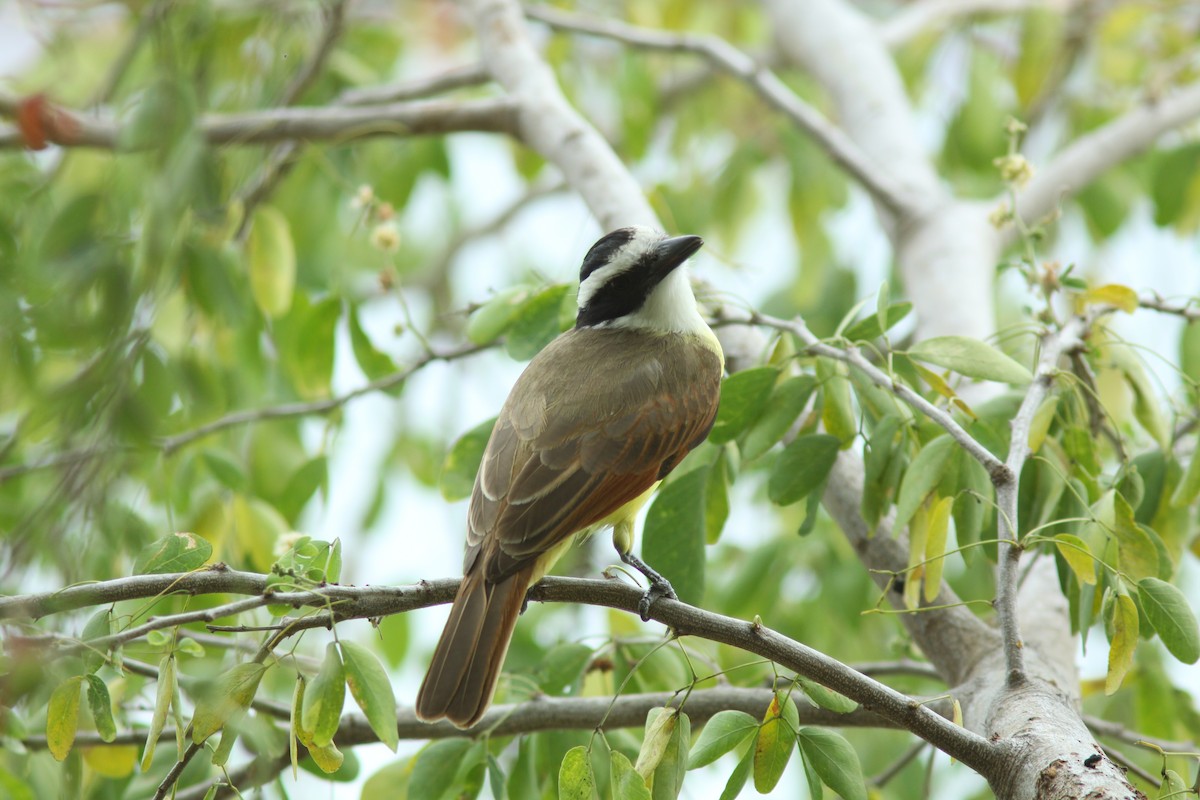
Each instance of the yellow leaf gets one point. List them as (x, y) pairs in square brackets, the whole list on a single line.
[(271, 258), (1040, 425), (111, 761), (62, 717), (1124, 642), (1078, 557), (935, 546), (1111, 294)]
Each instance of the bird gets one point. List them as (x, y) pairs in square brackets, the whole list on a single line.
[(593, 424)]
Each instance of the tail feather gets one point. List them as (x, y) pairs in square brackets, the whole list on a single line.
[(466, 663)]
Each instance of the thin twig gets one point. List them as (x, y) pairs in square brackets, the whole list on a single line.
[(727, 58), (1115, 730), (1053, 346), (852, 356), (896, 767), (456, 78), (173, 774), (282, 157), (172, 443), (1131, 765), (1190, 310), (311, 123)]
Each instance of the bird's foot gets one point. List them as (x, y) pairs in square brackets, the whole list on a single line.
[(660, 587)]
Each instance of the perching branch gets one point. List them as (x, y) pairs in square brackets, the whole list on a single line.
[(728, 59)]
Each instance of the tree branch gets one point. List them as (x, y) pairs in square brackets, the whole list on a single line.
[(728, 59), (927, 16), (1006, 481), (850, 355), (1091, 155), (546, 122), (312, 123)]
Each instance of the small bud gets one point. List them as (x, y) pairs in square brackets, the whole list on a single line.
[(363, 197), (1001, 216), (1015, 127), (1014, 168), (385, 211), (386, 237)]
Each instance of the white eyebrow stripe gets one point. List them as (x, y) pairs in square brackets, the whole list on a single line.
[(644, 240)]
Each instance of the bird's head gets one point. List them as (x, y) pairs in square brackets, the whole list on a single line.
[(631, 278)]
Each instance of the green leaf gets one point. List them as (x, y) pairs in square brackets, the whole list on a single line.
[(1078, 556), (772, 751), (778, 415), (304, 483), (922, 477), (802, 467), (371, 689), (271, 259), (673, 537), (837, 411), (536, 323), (62, 717), (716, 499), (324, 697), (162, 706), (98, 626), (576, 781), (462, 462), (493, 317), (257, 526), (374, 363), (225, 469), (1138, 555), (869, 329), (737, 778), (972, 358), (393, 638), (1188, 488), (832, 757), (175, 552), (308, 349), (667, 780), (226, 699), (1040, 425), (1123, 642), (743, 397), (626, 783), (390, 782), (722, 733), (328, 759), (1173, 179), (1172, 786), (562, 666), (1169, 614), (101, 705), (826, 698)]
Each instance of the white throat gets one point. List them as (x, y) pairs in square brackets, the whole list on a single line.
[(671, 307)]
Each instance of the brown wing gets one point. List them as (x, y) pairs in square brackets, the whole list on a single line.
[(561, 460)]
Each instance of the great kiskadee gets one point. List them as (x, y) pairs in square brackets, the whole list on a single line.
[(597, 419)]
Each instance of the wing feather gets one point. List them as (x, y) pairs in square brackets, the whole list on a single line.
[(553, 468)]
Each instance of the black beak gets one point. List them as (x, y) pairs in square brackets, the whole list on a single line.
[(670, 253)]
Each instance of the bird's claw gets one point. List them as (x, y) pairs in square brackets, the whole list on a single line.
[(658, 589)]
